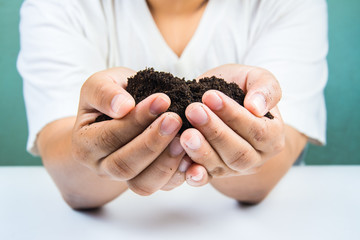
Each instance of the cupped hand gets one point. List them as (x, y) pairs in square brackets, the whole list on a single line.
[(138, 146), (229, 139)]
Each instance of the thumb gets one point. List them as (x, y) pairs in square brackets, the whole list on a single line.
[(104, 92), (263, 92)]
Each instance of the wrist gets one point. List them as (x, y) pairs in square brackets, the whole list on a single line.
[(54, 141)]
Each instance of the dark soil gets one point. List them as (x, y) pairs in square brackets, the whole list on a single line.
[(181, 92)]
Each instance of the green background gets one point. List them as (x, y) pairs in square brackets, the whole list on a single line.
[(342, 92)]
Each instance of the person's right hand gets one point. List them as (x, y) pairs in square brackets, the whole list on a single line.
[(136, 146)]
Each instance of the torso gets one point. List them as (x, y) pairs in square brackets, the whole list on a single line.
[(177, 30)]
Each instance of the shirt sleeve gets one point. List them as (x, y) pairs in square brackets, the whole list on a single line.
[(290, 40), (54, 60)]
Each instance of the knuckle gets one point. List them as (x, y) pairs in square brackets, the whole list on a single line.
[(140, 189), (150, 146), (217, 172), (121, 170), (109, 139), (259, 133), (240, 160)]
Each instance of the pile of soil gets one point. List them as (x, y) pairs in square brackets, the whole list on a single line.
[(181, 92)]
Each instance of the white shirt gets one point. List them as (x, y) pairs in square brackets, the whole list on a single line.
[(63, 42)]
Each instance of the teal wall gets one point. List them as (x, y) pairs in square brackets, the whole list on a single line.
[(343, 89), (342, 92), (13, 128)]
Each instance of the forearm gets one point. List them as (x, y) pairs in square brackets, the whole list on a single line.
[(80, 187), (254, 188)]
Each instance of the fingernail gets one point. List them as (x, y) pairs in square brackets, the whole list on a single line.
[(169, 125), (159, 105), (259, 102), (197, 177), (194, 142), (198, 115), (184, 165), (175, 147), (214, 101), (118, 102)]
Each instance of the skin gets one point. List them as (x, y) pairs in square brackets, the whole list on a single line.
[(93, 163), (177, 20), (261, 151)]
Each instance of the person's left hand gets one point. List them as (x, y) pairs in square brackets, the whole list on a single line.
[(229, 139)]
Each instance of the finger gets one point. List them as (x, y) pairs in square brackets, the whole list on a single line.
[(179, 177), (263, 91), (197, 175), (262, 133), (230, 73), (201, 152), (156, 175), (105, 137), (236, 152), (135, 156), (105, 92)]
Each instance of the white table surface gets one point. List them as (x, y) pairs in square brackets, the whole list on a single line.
[(309, 203)]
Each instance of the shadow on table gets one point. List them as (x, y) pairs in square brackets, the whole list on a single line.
[(153, 219)]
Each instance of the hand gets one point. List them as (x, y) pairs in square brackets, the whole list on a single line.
[(228, 139), (136, 146)]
